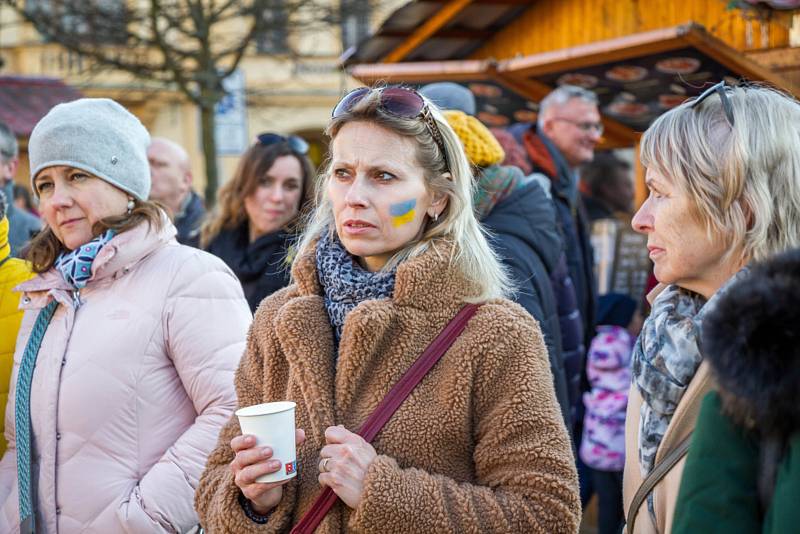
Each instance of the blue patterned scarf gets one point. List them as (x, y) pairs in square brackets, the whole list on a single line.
[(345, 283), (75, 266)]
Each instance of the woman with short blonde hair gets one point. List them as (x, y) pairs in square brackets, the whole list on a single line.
[(723, 171), (391, 256)]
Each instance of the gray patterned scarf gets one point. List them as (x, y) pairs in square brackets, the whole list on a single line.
[(345, 283), (665, 359)]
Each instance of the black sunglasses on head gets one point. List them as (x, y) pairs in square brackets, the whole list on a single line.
[(720, 89), (297, 144)]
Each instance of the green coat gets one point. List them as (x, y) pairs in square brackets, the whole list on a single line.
[(718, 490)]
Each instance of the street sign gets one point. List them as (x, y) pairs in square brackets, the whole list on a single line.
[(230, 117)]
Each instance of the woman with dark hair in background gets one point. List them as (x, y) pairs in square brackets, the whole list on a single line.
[(251, 226)]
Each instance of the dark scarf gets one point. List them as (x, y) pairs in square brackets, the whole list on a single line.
[(345, 283), (260, 266)]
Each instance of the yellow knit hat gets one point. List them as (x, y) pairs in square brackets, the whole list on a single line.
[(480, 145)]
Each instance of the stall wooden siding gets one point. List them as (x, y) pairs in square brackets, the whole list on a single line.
[(554, 24)]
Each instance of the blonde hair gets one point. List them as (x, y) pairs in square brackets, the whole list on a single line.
[(743, 180), (472, 254)]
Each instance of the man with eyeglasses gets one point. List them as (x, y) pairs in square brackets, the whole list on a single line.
[(563, 139), (22, 224), (172, 179)]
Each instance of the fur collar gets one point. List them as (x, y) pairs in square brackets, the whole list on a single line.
[(752, 342)]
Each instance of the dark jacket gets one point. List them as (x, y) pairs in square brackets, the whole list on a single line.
[(22, 225), (188, 223), (573, 281), (261, 266), (571, 217), (526, 239)]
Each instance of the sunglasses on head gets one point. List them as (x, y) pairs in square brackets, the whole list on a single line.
[(296, 144), (720, 89), (401, 102)]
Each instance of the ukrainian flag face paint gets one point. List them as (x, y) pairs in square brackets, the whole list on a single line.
[(377, 191), (403, 212)]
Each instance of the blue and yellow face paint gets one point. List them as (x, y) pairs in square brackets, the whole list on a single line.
[(403, 212)]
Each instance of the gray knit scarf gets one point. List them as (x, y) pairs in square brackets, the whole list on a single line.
[(665, 359), (345, 283)]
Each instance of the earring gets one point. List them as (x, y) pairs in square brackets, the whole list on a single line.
[(435, 217), (131, 205)]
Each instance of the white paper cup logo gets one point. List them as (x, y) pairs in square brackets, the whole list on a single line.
[(272, 424)]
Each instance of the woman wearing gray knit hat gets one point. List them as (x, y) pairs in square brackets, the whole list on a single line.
[(119, 386)]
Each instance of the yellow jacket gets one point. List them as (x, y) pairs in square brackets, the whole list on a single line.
[(12, 273)]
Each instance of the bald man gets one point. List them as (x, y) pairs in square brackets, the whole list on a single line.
[(172, 187)]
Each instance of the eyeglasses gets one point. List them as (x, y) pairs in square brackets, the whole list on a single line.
[(585, 127), (717, 89), (401, 102), (296, 144)]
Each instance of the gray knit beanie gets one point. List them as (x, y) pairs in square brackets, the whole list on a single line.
[(96, 135), (450, 96)]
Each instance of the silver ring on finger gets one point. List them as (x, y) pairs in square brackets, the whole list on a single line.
[(323, 465)]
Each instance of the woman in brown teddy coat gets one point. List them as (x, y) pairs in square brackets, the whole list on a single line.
[(390, 256)]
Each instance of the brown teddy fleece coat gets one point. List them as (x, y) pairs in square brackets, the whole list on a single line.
[(479, 446)]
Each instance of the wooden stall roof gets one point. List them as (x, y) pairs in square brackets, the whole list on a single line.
[(636, 77), (434, 30)]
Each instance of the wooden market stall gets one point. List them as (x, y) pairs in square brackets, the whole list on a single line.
[(640, 58)]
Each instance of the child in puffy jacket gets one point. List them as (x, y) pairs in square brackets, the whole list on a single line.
[(608, 370)]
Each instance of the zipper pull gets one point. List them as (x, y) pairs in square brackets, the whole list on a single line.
[(76, 299)]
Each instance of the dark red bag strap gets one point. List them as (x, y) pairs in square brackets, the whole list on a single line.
[(398, 394)]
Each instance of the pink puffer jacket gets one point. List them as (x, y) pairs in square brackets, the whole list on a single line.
[(130, 390)]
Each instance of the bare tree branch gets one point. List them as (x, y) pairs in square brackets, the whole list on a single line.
[(189, 45)]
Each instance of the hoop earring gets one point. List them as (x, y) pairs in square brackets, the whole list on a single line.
[(131, 205)]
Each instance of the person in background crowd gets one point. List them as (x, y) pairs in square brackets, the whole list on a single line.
[(12, 272), (22, 226), (520, 218), (391, 254), (171, 175), (731, 195), (515, 154), (608, 188), (608, 370), (23, 200), (123, 371), (257, 212), (742, 473), (563, 139)]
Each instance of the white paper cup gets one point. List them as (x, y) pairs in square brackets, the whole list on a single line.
[(272, 424)]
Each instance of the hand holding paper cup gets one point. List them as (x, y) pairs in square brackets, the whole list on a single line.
[(273, 426)]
